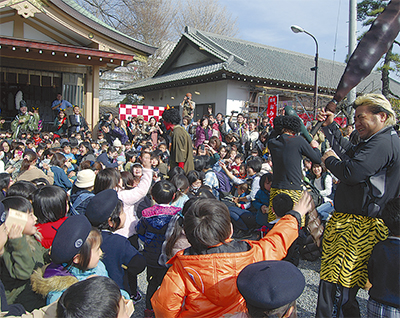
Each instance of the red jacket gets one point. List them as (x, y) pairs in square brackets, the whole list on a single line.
[(205, 285), (48, 231)]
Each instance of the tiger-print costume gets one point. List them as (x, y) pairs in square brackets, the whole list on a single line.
[(346, 248), (294, 194)]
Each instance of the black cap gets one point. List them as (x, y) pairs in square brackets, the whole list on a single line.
[(101, 206), (270, 284), (69, 238)]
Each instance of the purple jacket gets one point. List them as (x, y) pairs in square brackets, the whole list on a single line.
[(201, 135)]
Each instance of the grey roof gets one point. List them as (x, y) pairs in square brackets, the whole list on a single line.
[(81, 14), (252, 60)]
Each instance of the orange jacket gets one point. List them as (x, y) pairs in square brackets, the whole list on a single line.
[(205, 285)]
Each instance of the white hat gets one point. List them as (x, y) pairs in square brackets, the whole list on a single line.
[(117, 143), (85, 178)]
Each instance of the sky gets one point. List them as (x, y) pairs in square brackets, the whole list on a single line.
[(268, 22)]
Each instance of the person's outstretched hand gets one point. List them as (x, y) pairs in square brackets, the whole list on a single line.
[(305, 204)]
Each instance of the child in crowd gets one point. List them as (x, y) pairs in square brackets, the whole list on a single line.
[(383, 267), (69, 156), (151, 230), (95, 297), (75, 256), (105, 212), (181, 184), (242, 171), (130, 157), (261, 200), (50, 208), (137, 169), (195, 179), (22, 254), (271, 288), (82, 192), (202, 279), (60, 177), (281, 205), (4, 184), (175, 238), (239, 158), (242, 192)]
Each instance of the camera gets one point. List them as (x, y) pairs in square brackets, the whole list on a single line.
[(234, 112)]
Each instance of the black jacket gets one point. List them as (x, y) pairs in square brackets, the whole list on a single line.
[(369, 172)]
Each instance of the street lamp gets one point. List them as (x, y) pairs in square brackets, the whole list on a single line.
[(297, 29)]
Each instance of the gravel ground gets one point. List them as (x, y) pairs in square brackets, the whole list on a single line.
[(306, 304)]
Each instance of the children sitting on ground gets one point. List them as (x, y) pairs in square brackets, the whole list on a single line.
[(105, 212), (151, 230), (383, 267), (242, 192), (202, 279)]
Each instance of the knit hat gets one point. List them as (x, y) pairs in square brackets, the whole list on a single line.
[(270, 284), (101, 206), (69, 238), (85, 178), (3, 214), (117, 143)]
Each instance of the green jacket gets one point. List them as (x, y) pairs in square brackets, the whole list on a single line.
[(31, 123), (21, 257)]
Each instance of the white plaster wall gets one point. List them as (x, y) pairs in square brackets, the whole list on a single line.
[(237, 95), (33, 34), (7, 28), (214, 92)]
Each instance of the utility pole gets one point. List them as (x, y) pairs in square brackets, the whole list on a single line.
[(351, 96)]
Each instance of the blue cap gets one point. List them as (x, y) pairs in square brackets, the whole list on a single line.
[(270, 284), (69, 238), (101, 206)]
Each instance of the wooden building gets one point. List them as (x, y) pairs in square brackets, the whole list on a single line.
[(55, 46)]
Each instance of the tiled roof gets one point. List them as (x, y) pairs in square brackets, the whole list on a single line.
[(255, 60), (86, 17)]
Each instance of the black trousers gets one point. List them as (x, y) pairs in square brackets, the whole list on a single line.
[(337, 301), (154, 280)]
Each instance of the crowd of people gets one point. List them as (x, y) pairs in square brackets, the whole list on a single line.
[(214, 210)]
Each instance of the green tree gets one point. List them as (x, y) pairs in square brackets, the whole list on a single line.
[(367, 12)]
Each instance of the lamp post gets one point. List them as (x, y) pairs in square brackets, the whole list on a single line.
[(297, 29)]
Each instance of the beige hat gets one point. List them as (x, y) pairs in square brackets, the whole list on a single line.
[(85, 178), (117, 143)]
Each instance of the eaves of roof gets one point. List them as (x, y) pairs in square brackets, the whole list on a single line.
[(251, 61), (174, 77), (74, 10)]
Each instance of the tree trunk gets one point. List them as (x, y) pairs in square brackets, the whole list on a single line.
[(385, 73)]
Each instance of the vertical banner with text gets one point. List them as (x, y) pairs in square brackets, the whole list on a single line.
[(272, 108)]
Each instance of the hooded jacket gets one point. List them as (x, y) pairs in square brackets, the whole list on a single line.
[(205, 285), (151, 230)]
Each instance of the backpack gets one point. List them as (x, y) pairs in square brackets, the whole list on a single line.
[(79, 200)]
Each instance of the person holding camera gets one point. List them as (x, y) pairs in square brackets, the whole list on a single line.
[(188, 106), (240, 126)]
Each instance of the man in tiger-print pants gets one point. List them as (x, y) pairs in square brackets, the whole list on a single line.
[(369, 175)]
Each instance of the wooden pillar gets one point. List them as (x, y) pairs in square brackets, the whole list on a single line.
[(89, 98), (96, 93)]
